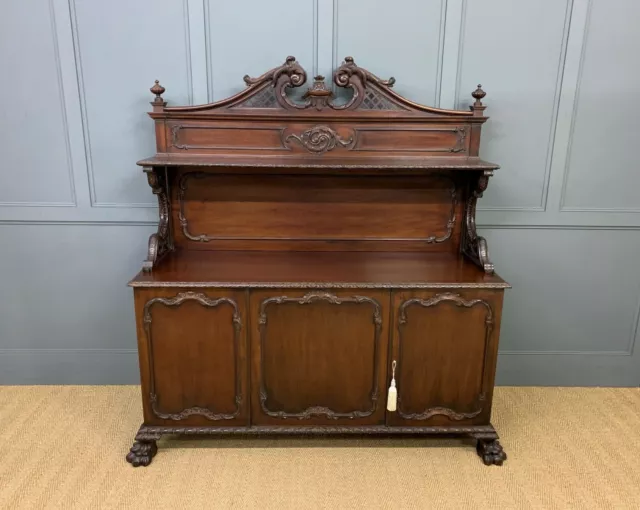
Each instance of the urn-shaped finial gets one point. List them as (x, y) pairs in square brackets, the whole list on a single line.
[(478, 94), (158, 90)]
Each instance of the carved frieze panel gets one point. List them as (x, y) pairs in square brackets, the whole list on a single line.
[(269, 138), (320, 139)]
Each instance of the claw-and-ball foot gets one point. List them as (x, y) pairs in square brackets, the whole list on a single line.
[(141, 453), (491, 452)]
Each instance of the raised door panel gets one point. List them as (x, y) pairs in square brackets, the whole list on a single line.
[(318, 357), (445, 346), (193, 361)]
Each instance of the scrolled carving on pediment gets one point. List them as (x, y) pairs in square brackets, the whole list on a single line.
[(350, 76), (369, 92)]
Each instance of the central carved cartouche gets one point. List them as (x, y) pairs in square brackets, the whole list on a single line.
[(320, 139)]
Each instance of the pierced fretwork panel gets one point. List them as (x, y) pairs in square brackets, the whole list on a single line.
[(266, 98), (374, 101)]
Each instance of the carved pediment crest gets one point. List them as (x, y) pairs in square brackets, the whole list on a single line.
[(368, 92)]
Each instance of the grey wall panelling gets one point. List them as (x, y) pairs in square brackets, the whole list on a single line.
[(560, 94)]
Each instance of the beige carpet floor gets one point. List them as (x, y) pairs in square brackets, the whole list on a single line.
[(64, 447)]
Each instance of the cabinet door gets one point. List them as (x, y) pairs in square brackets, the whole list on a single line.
[(193, 362), (318, 357), (445, 346)]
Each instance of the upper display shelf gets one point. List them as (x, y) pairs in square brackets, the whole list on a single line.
[(369, 122)]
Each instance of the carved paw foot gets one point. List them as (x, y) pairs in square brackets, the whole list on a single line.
[(141, 453), (491, 452)]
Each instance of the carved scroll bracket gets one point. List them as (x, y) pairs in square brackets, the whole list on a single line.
[(161, 242), (474, 246)]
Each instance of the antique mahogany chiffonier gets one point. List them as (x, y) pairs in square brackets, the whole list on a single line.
[(316, 268)]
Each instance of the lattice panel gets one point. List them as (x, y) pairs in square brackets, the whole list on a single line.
[(266, 98), (374, 101)]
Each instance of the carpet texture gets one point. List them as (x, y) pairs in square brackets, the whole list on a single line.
[(64, 447)]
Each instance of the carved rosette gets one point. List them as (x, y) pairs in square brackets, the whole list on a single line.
[(474, 246), (320, 139), (208, 302), (161, 242), (309, 298), (402, 320)]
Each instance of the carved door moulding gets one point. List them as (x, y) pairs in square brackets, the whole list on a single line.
[(309, 299), (208, 302), (205, 238), (456, 299)]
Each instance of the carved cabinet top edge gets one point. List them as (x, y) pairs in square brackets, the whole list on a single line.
[(268, 94)]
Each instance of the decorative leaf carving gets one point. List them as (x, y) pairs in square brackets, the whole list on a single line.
[(320, 139), (474, 246), (161, 242)]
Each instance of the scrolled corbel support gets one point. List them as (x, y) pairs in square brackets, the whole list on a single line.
[(161, 242), (475, 246)]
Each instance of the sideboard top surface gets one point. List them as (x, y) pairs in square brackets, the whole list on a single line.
[(285, 269), (314, 162)]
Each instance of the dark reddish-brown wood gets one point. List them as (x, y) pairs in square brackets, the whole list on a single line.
[(318, 356), (444, 345), (304, 249)]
